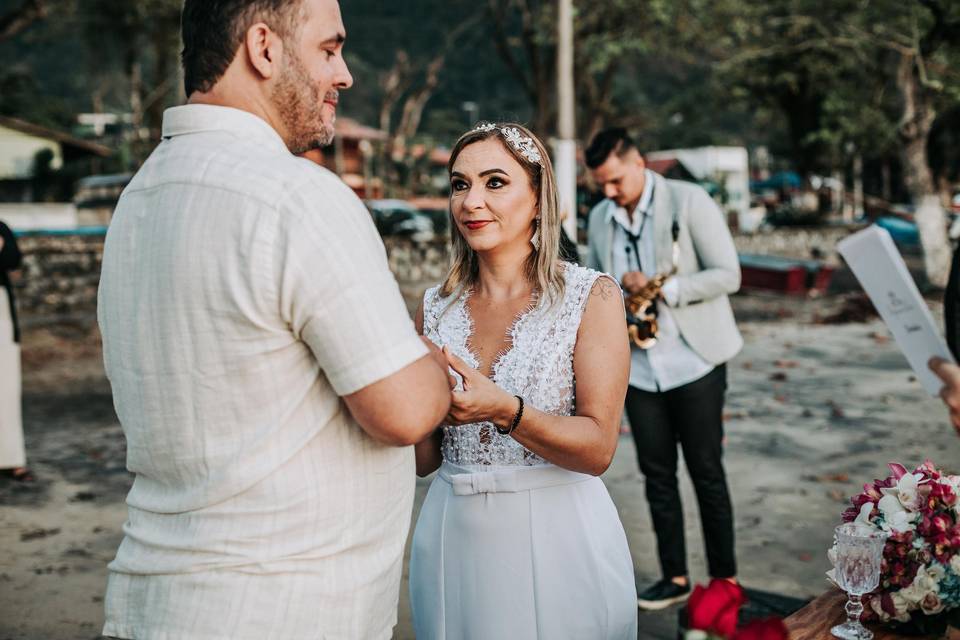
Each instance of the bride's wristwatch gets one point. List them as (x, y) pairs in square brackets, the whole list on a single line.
[(505, 431)]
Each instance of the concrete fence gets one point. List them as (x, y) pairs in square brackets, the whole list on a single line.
[(61, 269), (59, 276)]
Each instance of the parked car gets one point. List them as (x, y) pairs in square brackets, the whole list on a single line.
[(400, 218)]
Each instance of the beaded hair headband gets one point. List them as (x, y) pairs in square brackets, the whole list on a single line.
[(522, 144)]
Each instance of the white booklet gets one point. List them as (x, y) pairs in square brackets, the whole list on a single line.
[(875, 261)]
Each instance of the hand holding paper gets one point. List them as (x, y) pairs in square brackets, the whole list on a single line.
[(879, 267), (950, 375)]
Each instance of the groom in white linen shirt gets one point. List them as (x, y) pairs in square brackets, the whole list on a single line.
[(264, 368)]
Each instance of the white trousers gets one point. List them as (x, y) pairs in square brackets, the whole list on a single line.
[(523, 553), (12, 452)]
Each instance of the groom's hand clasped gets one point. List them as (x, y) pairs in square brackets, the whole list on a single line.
[(481, 400), (441, 359)]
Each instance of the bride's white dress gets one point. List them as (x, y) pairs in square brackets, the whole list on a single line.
[(508, 545)]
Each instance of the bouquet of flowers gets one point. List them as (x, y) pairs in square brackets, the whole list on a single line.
[(713, 612), (920, 573)]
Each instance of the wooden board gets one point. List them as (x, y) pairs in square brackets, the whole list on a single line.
[(815, 620)]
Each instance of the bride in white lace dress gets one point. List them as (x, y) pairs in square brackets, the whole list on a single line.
[(518, 537)]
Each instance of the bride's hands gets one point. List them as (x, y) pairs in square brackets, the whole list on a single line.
[(481, 400)]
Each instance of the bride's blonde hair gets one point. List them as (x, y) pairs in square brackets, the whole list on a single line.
[(543, 264)]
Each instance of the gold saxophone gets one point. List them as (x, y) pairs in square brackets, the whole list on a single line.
[(642, 326)]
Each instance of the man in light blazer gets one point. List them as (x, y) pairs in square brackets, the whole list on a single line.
[(677, 387)]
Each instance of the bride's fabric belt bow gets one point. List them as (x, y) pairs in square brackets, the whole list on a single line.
[(468, 483)]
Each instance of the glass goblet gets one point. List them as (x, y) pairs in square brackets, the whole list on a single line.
[(859, 552)]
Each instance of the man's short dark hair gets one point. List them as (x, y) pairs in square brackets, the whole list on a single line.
[(213, 30), (606, 143)]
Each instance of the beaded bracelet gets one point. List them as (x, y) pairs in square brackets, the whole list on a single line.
[(505, 431)]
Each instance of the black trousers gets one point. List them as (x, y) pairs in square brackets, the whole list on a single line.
[(693, 416)]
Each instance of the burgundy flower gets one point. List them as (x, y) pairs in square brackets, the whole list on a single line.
[(769, 629), (941, 523), (886, 603), (714, 609), (943, 495)]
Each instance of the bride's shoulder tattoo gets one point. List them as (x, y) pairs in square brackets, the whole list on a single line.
[(603, 288)]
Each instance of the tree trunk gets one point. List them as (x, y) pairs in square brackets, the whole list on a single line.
[(857, 185), (886, 189), (915, 126), (164, 49)]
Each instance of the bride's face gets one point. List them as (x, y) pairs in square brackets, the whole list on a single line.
[(491, 197)]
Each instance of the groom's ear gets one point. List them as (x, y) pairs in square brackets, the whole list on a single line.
[(263, 48)]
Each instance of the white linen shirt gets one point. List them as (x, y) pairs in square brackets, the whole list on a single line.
[(244, 290), (671, 363)]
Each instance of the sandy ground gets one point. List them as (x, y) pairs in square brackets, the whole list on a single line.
[(813, 412)]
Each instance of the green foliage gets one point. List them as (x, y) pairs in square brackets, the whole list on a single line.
[(812, 80)]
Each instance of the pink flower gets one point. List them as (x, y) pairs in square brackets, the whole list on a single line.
[(931, 604), (872, 492), (898, 470)]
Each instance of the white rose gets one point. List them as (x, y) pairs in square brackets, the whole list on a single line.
[(955, 564), (905, 492), (901, 606), (878, 609), (696, 634), (914, 593), (936, 573)]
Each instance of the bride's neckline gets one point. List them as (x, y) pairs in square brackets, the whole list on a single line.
[(511, 333)]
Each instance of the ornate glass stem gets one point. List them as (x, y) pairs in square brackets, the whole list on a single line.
[(854, 609)]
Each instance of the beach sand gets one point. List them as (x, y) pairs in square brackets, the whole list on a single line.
[(814, 411)]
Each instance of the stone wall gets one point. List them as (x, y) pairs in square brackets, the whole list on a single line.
[(59, 277), (61, 271), (796, 242), (417, 262)]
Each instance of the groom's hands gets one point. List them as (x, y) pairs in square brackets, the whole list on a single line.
[(441, 360), (950, 374), (481, 399)]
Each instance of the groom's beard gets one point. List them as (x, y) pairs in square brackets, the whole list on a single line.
[(301, 108)]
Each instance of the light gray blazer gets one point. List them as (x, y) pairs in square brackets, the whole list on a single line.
[(708, 270)]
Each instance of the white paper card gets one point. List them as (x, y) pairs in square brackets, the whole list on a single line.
[(874, 259)]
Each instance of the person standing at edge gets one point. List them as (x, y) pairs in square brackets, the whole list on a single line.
[(13, 455), (946, 371), (677, 387), (266, 373)]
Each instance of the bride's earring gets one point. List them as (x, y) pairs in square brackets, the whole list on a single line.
[(535, 240)]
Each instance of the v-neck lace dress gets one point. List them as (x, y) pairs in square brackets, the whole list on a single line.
[(508, 545)]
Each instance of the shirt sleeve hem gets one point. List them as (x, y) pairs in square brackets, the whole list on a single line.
[(382, 365)]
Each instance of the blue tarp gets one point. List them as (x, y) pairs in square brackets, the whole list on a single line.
[(78, 231), (782, 180), (902, 231)]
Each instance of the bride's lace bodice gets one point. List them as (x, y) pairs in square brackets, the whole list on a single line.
[(538, 366)]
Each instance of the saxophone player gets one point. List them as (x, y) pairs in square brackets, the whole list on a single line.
[(671, 233)]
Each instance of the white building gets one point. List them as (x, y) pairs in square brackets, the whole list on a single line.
[(728, 167), (20, 144)]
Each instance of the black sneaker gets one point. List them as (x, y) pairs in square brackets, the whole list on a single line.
[(662, 595)]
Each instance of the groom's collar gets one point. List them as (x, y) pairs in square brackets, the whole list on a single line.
[(197, 118)]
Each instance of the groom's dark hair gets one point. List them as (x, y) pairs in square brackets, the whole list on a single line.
[(606, 143), (213, 30)]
